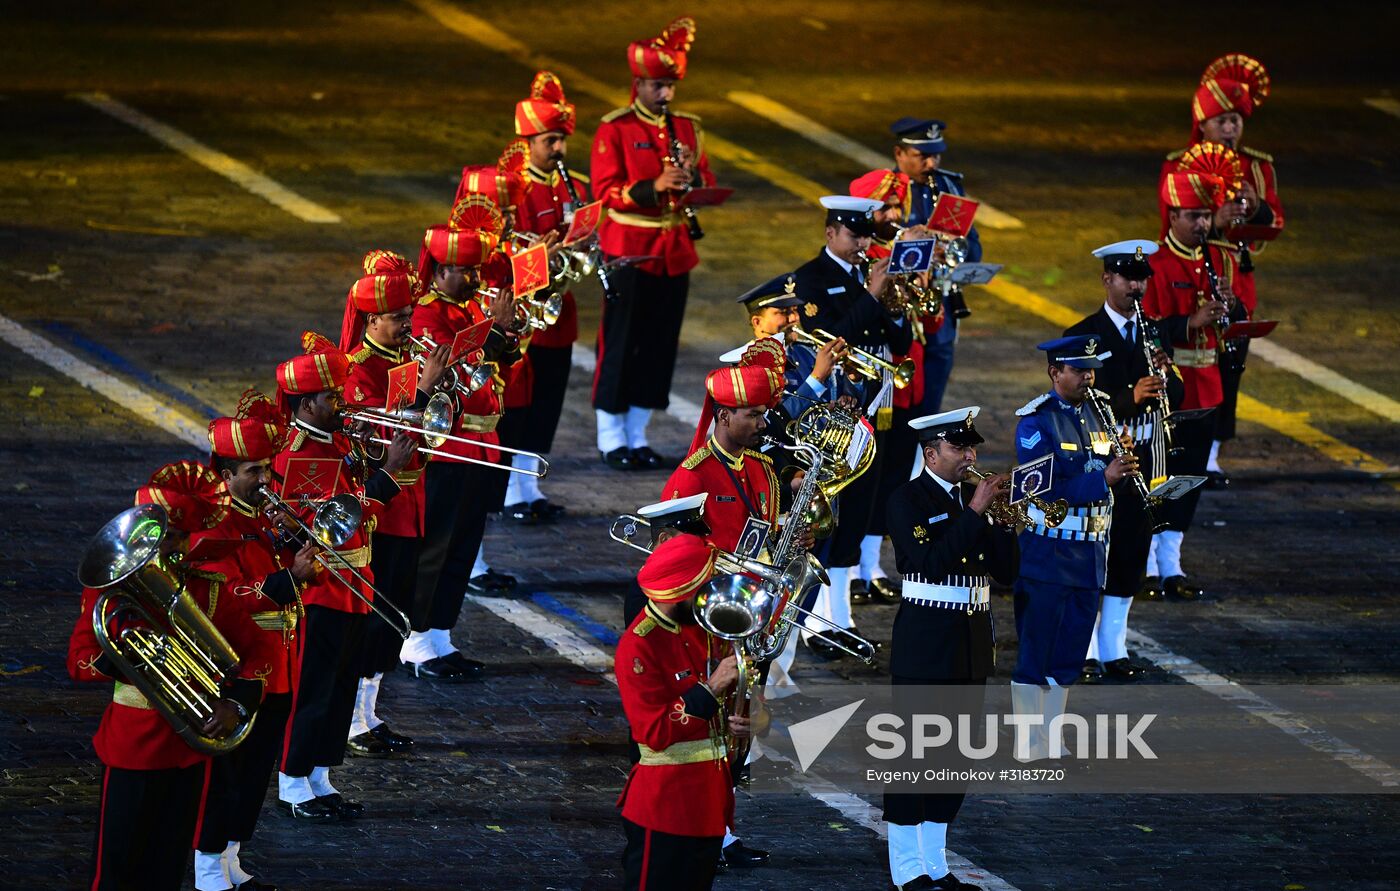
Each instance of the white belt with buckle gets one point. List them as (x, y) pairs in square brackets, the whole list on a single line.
[(947, 596)]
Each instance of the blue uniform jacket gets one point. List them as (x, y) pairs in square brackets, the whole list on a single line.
[(1050, 425), (800, 394)]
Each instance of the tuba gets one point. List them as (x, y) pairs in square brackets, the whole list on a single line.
[(173, 655)]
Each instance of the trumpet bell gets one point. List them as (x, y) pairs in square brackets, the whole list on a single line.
[(437, 419), (904, 373), (955, 251), (1055, 512)]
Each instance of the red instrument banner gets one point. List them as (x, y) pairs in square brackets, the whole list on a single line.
[(705, 196), (530, 269), (469, 340), (586, 220), (403, 386), (311, 479), (953, 214)]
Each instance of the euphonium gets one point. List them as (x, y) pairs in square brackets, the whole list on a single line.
[(173, 655), (1003, 511)]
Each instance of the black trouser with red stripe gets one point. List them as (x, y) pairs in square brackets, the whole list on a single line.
[(454, 520), (147, 827), (326, 683), (395, 565), (659, 861), (551, 366), (238, 781), (637, 340)]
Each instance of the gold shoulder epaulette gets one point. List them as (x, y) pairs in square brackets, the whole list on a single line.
[(644, 627), (579, 177), (694, 460), (615, 114), (298, 441), (360, 355), (759, 455), (207, 576), (1255, 153), (1176, 155), (1221, 243), (687, 115)]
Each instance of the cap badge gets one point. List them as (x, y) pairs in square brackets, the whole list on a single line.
[(1138, 256), (1090, 347), (790, 286)]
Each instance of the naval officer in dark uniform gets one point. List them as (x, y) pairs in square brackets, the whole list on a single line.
[(947, 550)]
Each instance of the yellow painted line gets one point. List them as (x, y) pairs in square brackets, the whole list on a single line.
[(1384, 104), (141, 230), (829, 139), (228, 167), (479, 31), (148, 408)]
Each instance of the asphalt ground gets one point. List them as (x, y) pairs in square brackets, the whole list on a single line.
[(175, 280)]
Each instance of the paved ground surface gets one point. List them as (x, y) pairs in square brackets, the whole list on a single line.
[(175, 280)]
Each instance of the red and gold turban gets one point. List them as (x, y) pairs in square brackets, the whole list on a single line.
[(255, 433), (1233, 82), (677, 568), (1193, 191), (471, 234), (545, 110), (323, 367), (389, 284), (663, 56), (879, 185), (193, 495), (1216, 160), (757, 380)]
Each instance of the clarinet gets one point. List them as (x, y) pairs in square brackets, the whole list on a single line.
[(1150, 335), (1229, 351), (692, 222), (602, 267), (1104, 412)]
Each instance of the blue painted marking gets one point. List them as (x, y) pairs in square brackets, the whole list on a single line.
[(597, 630), (131, 369)]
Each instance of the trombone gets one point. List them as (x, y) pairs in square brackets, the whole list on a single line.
[(751, 600), (867, 365), (1003, 511), (475, 377), (430, 424), (333, 523)]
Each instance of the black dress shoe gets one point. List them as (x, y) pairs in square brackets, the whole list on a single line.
[(504, 580), (824, 650), (344, 807), (740, 856), (645, 459), (547, 510), (1151, 588), (521, 513), (852, 638), (951, 882), (1217, 479), (1178, 587), (922, 883), (313, 811), (396, 741), (437, 669), (885, 589), (367, 745), (860, 592), (1092, 673), (491, 584), (468, 667), (619, 458), (254, 885), (1122, 670)]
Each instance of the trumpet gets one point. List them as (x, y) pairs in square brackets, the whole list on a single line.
[(538, 314), (176, 658), (750, 597), (430, 427), (463, 378), (333, 523), (867, 365), (1008, 514)]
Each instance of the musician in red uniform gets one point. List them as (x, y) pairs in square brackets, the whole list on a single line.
[(265, 585), (374, 335), (310, 389), (545, 121), (673, 679), (152, 780), (455, 506), (1232, 88), (1181, 295), (640, 179)]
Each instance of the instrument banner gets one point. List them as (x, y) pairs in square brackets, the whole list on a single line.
[(1031, 478), (705, 196), (311, 479), (912, 257), (530, 270), (585, 223), (953, 214), (469, 340), (403, 384)]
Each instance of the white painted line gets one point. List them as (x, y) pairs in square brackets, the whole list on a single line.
[(1385, 104), (682, 409), (829, 139), (564, 641), (230, 168), (1326, 378), (1318, 740), (560, 638), (135, 400)]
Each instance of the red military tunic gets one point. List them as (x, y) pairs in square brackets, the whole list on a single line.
[(629, 151), (1178, 286), (132, 735), (367, 384), (739, 487), (546, 199), (478, 414), (256, 568), (332, 590), (682, 783)]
